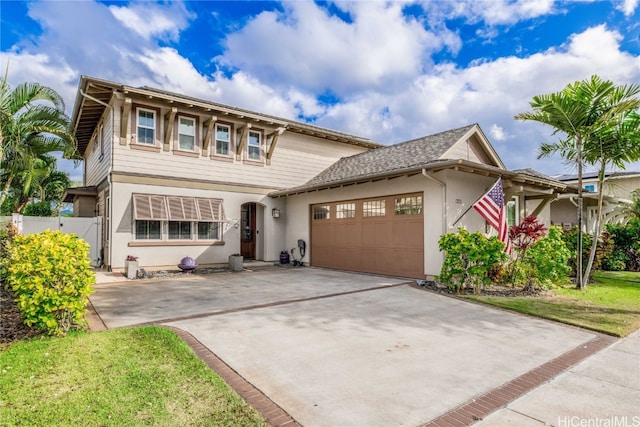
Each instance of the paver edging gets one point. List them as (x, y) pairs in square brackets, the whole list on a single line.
[(270, 411)]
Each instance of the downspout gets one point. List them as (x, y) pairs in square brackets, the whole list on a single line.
[(443, 186), (109, 172), (444, 198)]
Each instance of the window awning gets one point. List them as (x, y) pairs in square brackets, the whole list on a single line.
[(176, 208)]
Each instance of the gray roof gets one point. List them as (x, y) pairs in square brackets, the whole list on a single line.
[(397, 157), (535, 173), (593, 175)]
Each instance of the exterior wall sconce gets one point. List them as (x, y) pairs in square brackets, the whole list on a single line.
[(275, 212)]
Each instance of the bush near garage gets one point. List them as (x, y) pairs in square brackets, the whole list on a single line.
[(470, 260), (51, 278)]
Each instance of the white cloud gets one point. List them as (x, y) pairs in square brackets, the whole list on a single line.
[(494, 12), (628, 7), (497, 132), (378, 66), (306, 47), (153, 20)]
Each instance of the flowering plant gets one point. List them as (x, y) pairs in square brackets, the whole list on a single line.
[(131, 258)]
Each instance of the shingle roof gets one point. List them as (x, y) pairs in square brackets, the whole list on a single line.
[(592, 175), (397, 157)]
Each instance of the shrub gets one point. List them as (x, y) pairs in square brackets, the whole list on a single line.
[(570, 238), (523, 236), (469, 259), (38, 209), (7, 234), (51, 277), (548, 258), (626, 245)]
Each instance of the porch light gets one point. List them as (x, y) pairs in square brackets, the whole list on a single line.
[(275, 212)]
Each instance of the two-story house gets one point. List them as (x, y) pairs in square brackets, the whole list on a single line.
[(617, 190), (175, 176)]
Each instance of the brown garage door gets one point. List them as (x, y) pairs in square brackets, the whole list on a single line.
[(381, 235)]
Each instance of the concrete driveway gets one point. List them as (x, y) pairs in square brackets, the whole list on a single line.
[(334, 348)]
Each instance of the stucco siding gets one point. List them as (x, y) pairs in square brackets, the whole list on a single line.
[(271, 230)]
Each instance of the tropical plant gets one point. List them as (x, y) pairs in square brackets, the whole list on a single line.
[(470, 259), (50, 274), (32, 125), (523, 236), (548, 258), (597, 118)]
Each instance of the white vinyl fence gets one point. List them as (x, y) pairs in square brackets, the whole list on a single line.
[(88, 229)]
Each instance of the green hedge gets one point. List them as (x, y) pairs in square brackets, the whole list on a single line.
[(50, 275)]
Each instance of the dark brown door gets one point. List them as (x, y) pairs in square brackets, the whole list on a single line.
[(248, 231), (382, 235)]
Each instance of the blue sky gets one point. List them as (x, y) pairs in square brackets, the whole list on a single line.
[(389, 71)]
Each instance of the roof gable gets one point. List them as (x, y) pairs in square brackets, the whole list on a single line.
[(410, 154)]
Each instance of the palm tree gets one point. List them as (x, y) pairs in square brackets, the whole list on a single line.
[(32, 124), (591, 114)]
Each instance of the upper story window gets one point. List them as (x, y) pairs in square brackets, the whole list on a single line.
[(223, 139), (186, 134), (590, 187), (254, 145), (146, 124)]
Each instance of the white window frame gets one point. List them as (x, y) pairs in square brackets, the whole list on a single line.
[(193, 136), (250, 145), (139, 126), (228, 142)]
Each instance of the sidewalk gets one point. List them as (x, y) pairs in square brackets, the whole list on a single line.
[(604, 389)]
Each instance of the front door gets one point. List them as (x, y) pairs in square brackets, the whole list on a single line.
[(248, 231)]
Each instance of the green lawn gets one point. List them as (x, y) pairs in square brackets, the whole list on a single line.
[(611, 304), (121, 377)]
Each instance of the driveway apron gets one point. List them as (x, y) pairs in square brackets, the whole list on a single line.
[(375, 353)]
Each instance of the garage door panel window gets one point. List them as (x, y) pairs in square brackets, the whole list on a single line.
[(322, 212), (345, 210), (373, 208), (411, 205)]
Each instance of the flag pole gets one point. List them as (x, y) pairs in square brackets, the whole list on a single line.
[(472, 204)]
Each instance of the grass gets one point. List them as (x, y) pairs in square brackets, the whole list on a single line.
[(121, 377), (611, 304)]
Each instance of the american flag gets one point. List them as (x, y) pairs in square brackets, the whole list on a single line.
[(492, 208)]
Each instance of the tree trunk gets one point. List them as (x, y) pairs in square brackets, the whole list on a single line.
[(598, 228), (5, 190), (579, 282)]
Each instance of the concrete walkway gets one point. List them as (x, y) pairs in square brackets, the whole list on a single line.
[(333, 348)]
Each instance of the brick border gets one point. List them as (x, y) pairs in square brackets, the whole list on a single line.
[(270, 411), (498, 398)]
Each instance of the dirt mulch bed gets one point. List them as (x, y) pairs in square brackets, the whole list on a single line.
[(12, 327), (494, 290)]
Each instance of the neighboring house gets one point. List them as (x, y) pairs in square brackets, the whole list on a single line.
[(618, 187), (175, 176)]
